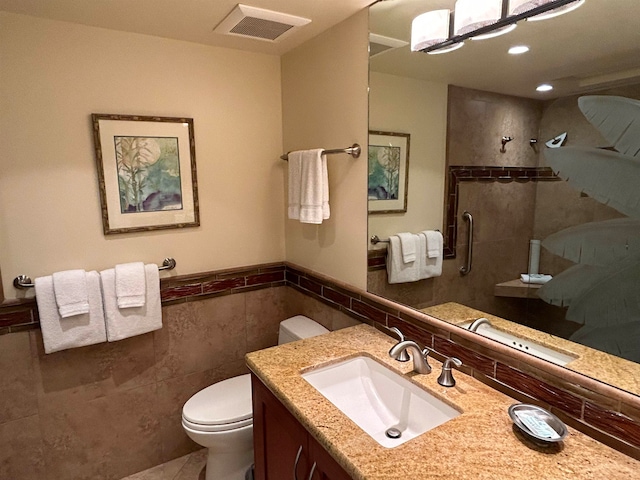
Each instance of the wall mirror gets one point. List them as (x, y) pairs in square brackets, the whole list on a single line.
[(479, 135)]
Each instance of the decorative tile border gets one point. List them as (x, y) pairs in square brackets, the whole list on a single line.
[(610, 421), (457, 174)]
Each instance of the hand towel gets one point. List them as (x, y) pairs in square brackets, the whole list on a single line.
[(434, 243), (308, 187), (537, 278), (430, 267), (130, 285), (76, 331), (127, 322), (397, 270), (70, 290), (408, 243)]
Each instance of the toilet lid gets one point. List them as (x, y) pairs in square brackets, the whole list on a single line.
[(224, 402)]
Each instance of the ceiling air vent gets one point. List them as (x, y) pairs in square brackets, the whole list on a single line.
[(259, 23)]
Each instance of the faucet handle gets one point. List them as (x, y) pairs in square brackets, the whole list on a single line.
[(404, 355), (446, 377)]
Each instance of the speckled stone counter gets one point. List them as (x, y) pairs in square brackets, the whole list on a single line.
[(479, 444), (607, 368)]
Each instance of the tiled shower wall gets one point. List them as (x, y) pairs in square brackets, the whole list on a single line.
[(109, 410), (502, 205)]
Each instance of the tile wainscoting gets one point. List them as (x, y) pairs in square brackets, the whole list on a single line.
[(77, 411)]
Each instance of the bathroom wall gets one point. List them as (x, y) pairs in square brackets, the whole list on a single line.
[(55, 74), (417, 107), (324, 103), (113, 409), (501, 207)]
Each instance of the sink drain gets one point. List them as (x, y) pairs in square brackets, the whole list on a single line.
[(393, 433)]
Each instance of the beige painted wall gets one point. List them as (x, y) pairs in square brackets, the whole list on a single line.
[(324, 85), (417, 107), (53, 75)]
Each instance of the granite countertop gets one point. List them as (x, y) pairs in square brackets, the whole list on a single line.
[(479, 444), (607, 368)]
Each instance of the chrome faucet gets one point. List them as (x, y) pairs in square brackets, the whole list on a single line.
[(420, 363), (476, 323), (446, 377), (404, 356)]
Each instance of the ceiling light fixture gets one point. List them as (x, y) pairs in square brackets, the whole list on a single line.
[(479, 19), (545, 87)]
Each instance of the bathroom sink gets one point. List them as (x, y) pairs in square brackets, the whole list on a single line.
[(377, 399), (540, 351)]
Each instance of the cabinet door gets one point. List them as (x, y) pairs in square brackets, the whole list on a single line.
[(326, 468), (280, 442)]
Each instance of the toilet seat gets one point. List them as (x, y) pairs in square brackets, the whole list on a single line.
[(220, 407)]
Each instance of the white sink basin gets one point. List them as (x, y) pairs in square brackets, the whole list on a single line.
[(376, 399), (518, 343)]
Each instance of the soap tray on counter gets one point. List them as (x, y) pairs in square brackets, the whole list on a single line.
[(538, 424)]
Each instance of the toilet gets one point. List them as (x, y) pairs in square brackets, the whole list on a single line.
[(220, 417)]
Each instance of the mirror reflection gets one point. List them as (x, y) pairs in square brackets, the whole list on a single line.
[(484, 140)]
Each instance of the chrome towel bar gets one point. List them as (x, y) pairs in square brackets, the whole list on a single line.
[(465, 269), (354, 150), (24, 281), (375, 239)]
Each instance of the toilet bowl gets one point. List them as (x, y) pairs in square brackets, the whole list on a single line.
[(220, 417)]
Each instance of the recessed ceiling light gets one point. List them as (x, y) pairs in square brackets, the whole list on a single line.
[(545, 87), (518, 49)]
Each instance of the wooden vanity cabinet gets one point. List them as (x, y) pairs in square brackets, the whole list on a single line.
[(283, 448)]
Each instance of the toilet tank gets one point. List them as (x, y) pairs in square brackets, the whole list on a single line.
[(297, 328)]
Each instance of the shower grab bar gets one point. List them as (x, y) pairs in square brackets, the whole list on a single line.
[(24, 281), (465, 269), (375, 239), (354, 150)]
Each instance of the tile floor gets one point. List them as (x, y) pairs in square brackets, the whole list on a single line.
[(189, 467)]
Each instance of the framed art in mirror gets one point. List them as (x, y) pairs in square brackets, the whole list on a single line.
[(388, 172), (146, 172)]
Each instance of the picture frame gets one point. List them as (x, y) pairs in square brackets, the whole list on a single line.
[(388, 181), (146, 172)]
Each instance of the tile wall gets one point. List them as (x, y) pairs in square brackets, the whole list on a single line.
[(109, 410)]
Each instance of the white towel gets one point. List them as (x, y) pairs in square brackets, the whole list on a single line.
[(397, 270), (429, 267), (124, 323), (308, 187), (131, 285), (537, 278), (77, 331), (434, 243), (70, 290), (408, 243)]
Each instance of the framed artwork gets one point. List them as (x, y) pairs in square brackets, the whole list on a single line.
[(146, 172), (388, 172)]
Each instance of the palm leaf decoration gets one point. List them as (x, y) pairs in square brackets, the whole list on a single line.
[(616, 118), (609, 177), (597, 243), (597, 296)]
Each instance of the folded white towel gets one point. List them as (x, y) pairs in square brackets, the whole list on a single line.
[(131, 286), (397, 270), (308, 187), (430, 267), (77, 331), (537, 278), (124, 323), (408, 243), (70, 289), (434, 243)]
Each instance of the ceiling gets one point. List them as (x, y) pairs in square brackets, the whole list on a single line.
[(190, 20), (595, 46)]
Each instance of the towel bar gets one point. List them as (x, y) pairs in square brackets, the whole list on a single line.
[(354, 150), (24, 281), (376, 240)]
